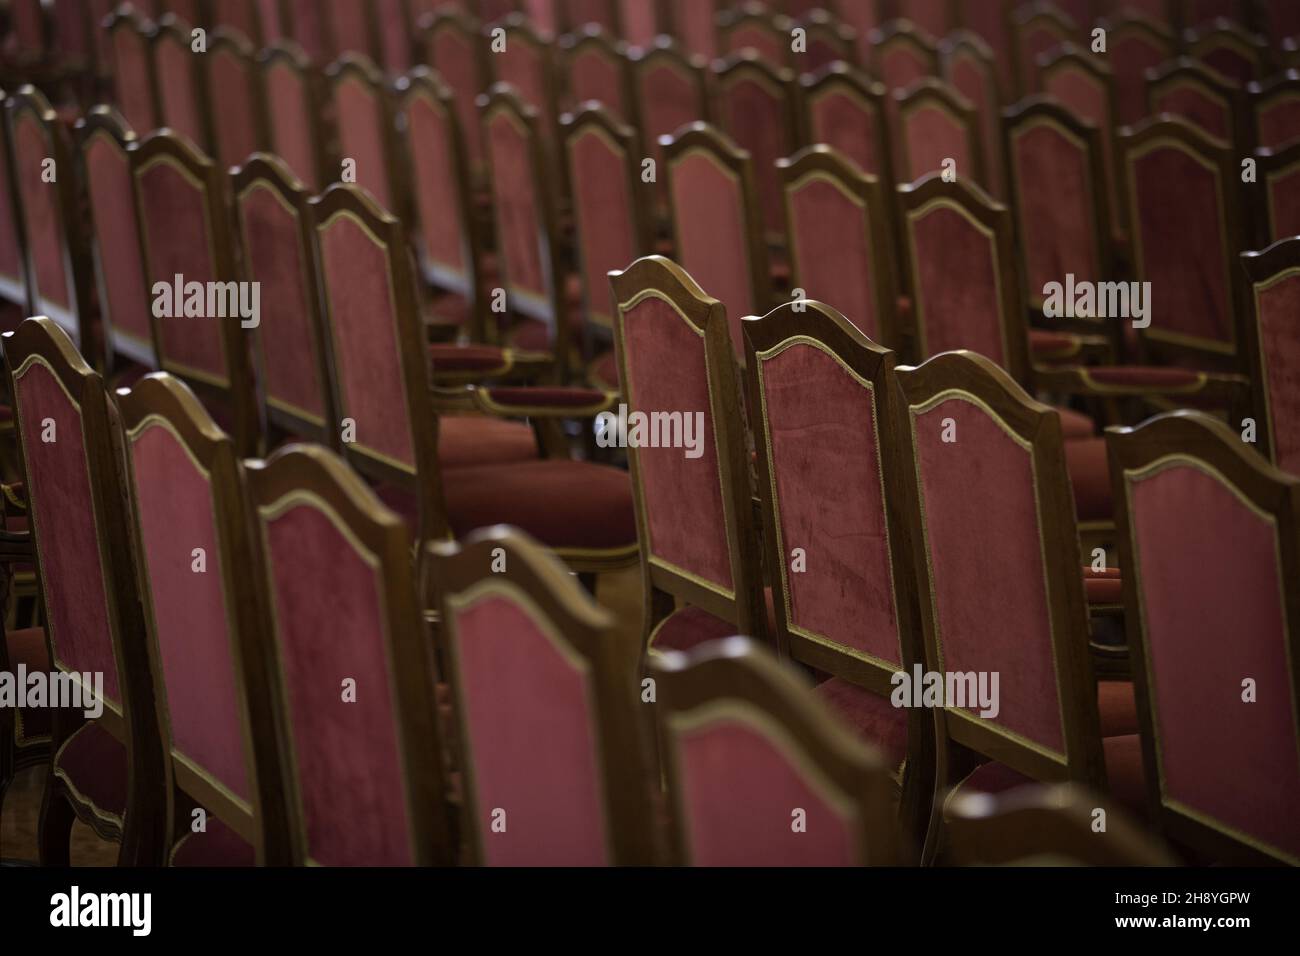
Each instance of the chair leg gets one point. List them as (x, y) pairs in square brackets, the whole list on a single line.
[(55, 829)]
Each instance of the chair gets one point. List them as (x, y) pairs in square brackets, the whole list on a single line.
[(840, 241), (1276, 103), (181, 204), (595, 68), (1036, 28), (15, 279), (1198, 695), (990, 20), (93, 624), (293, 108), (395, 28), (363, 109), (826, 40), (750, 26), (1136, 46), (575, 15), (527, 63), (936, 124), (1230, 50), (716, 232), (351, 28), (759, 773), (693, 22), (862, 16), (968, 65), (844, 108), (901, 54), (257, 21), (362, 748), (304, 23), (134, 89), (181, 81), (933, 16), (668, 91), (451, 46), (547, 700), (1271, 349), (1188, 90), (235, 100), (1278, 214)]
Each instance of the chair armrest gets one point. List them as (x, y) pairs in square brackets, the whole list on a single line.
[(1136, 381), (543, 401)]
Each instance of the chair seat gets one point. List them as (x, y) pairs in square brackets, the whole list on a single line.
[(1090, 477), (1103, 587), (483, 360), (92, 762), (220, 846), (603, 372), (27, 649), (688, 627), (1075, 425), (873, 718), (1046, 344), (561, 503), (448, 310), (468, 440), (1117, 706)]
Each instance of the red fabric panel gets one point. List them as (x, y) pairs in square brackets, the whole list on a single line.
[(593, 77), (900, 67), (582, 12), (329, 628), (455, 61), (176, 91), (194, 631), (394, 35), (872, 717), (1284, 202), (1180, 232), (1089, 469), (739, 791), (1087, 99), (1117, 707), (1130, 59), (11, 242), (1053, 178), (755, 119), (1279, 335), (32, 147), (112, 202), (989, 622), (694, 26), (131, 78), (175, 224), (822, 428), (238, 14), (712, 236), (518, 211), (542, 13), (308, 19), (351, 33), (932, 16), (639, 26), (274, 258), (989, 22), (361, 137), (434, 184), (933, 136), (355, 275), (1230, 63), (524, 67), (289, 116), (233, 92), (1197, 108), (603, 210), (682, 497), (532, 743), (972, 82), (1280, 123), (60, 500), (472, 440), (669, 100), (828, 233), (842, 121), (1202, 580), (272, 29), (1034, 42), (957, 285), (767, 43)]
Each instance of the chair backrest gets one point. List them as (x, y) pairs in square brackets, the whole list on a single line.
[(751, 26), (668, 90), (451, 44), (1037, 27), (611, 217), (963, 274), (352, 665), (45, 176), (969, 66), (547, 700), (133, 69), (364, 120), (235, 98), (395, 28), (351, 27), (526, 62), (1212, 713), (1185, 220), (826, 40), (639, 23), (1276, 110), (759, 773), (716, 231), (845, 109), (1056, 181), (1136, 46), (1186, 89), (181, 204), (289, 347), (181, 81), (841, 239), (594, 68), (990, 20), (822, 394), (936, 124), (1230, 50), (1273, 350), (694, 517), (992, 490), (305, 24), (693, 22), (14, 278), (293, 98), (901, 54), (1279, 171), (192, 549)]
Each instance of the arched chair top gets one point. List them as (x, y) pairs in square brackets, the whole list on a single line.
[(595, 37), (1228, 36), (107, 120), (967, 43), (285, 51), (708, 138), (843, 75), (1071, 55), (237, 43), (665, 279), (355, 65), (518, 26), (749, 63), (666, 49)]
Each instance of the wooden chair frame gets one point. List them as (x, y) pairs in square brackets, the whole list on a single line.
[(226, 40), (1272, 165), (353, 68), (286, 54), (1187, 73), (932, 92), (1282, 88), (1227, 35), (126, 18), (1279, 261), (172, 29)]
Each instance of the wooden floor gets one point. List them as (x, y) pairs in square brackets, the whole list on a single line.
[(618, 591)]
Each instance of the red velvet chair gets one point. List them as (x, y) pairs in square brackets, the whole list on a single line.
[(193, 553), (1276, 103), (527, 63), (351, 667), (1272, 344), (862, 16), (716, 221), (351, 27), (751, 26), (93, 623), (902, 53), (1278, 208), (840, 240), (845, 109), (827, 40), (594, 67), (990, 20), (293, 108), (612, 224), (182, 208), (969, 66), (235, 100), (1187, 89), (451, 43), (937, 124), (1135, 46), (693, 22), (547, 700), (105, 142), (181, 81), (759, 773), (1036, 28), (668, 92), (823, 396), (1197, 694), (15, 280), (1230, 50), (134, 88), (694, 515), (363, 117)]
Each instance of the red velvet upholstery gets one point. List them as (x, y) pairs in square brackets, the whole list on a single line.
[(465, 440), (754, 113), (1131, 56), (583, 12), (308, 19), (956, 293), (518, 207), (1033, 42), (1103, 587), (275, 258), (1089, 469), (739, 787), (394, 35), (1280, 352), (1083, 95), (1197, 107), (60, 500), (681, 497), (32, 147), (668, 99), (934, 135), (1278, 124), (688, 627), (639, 22), (11, 242), (177, 93), (594, 76), (355, 280), (842, 120), (174, 219), (233, 92), (872, 717), (603, 213), (989, 622), (351, 32), (241, 15), (1117, 708), (977, 83), (289, 119), (823, 432), (532, 739), (526, 68), (131, 77), (218, 847), (1284, 203), (27, 648), (93, 761), (1075, 425), (327, 602), (434, 186), (111, 194), (693, 24), (1201, 580), (990, 23), (1181, 231), (932, 16), (190, 611), (457, 63), (361, 131)]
